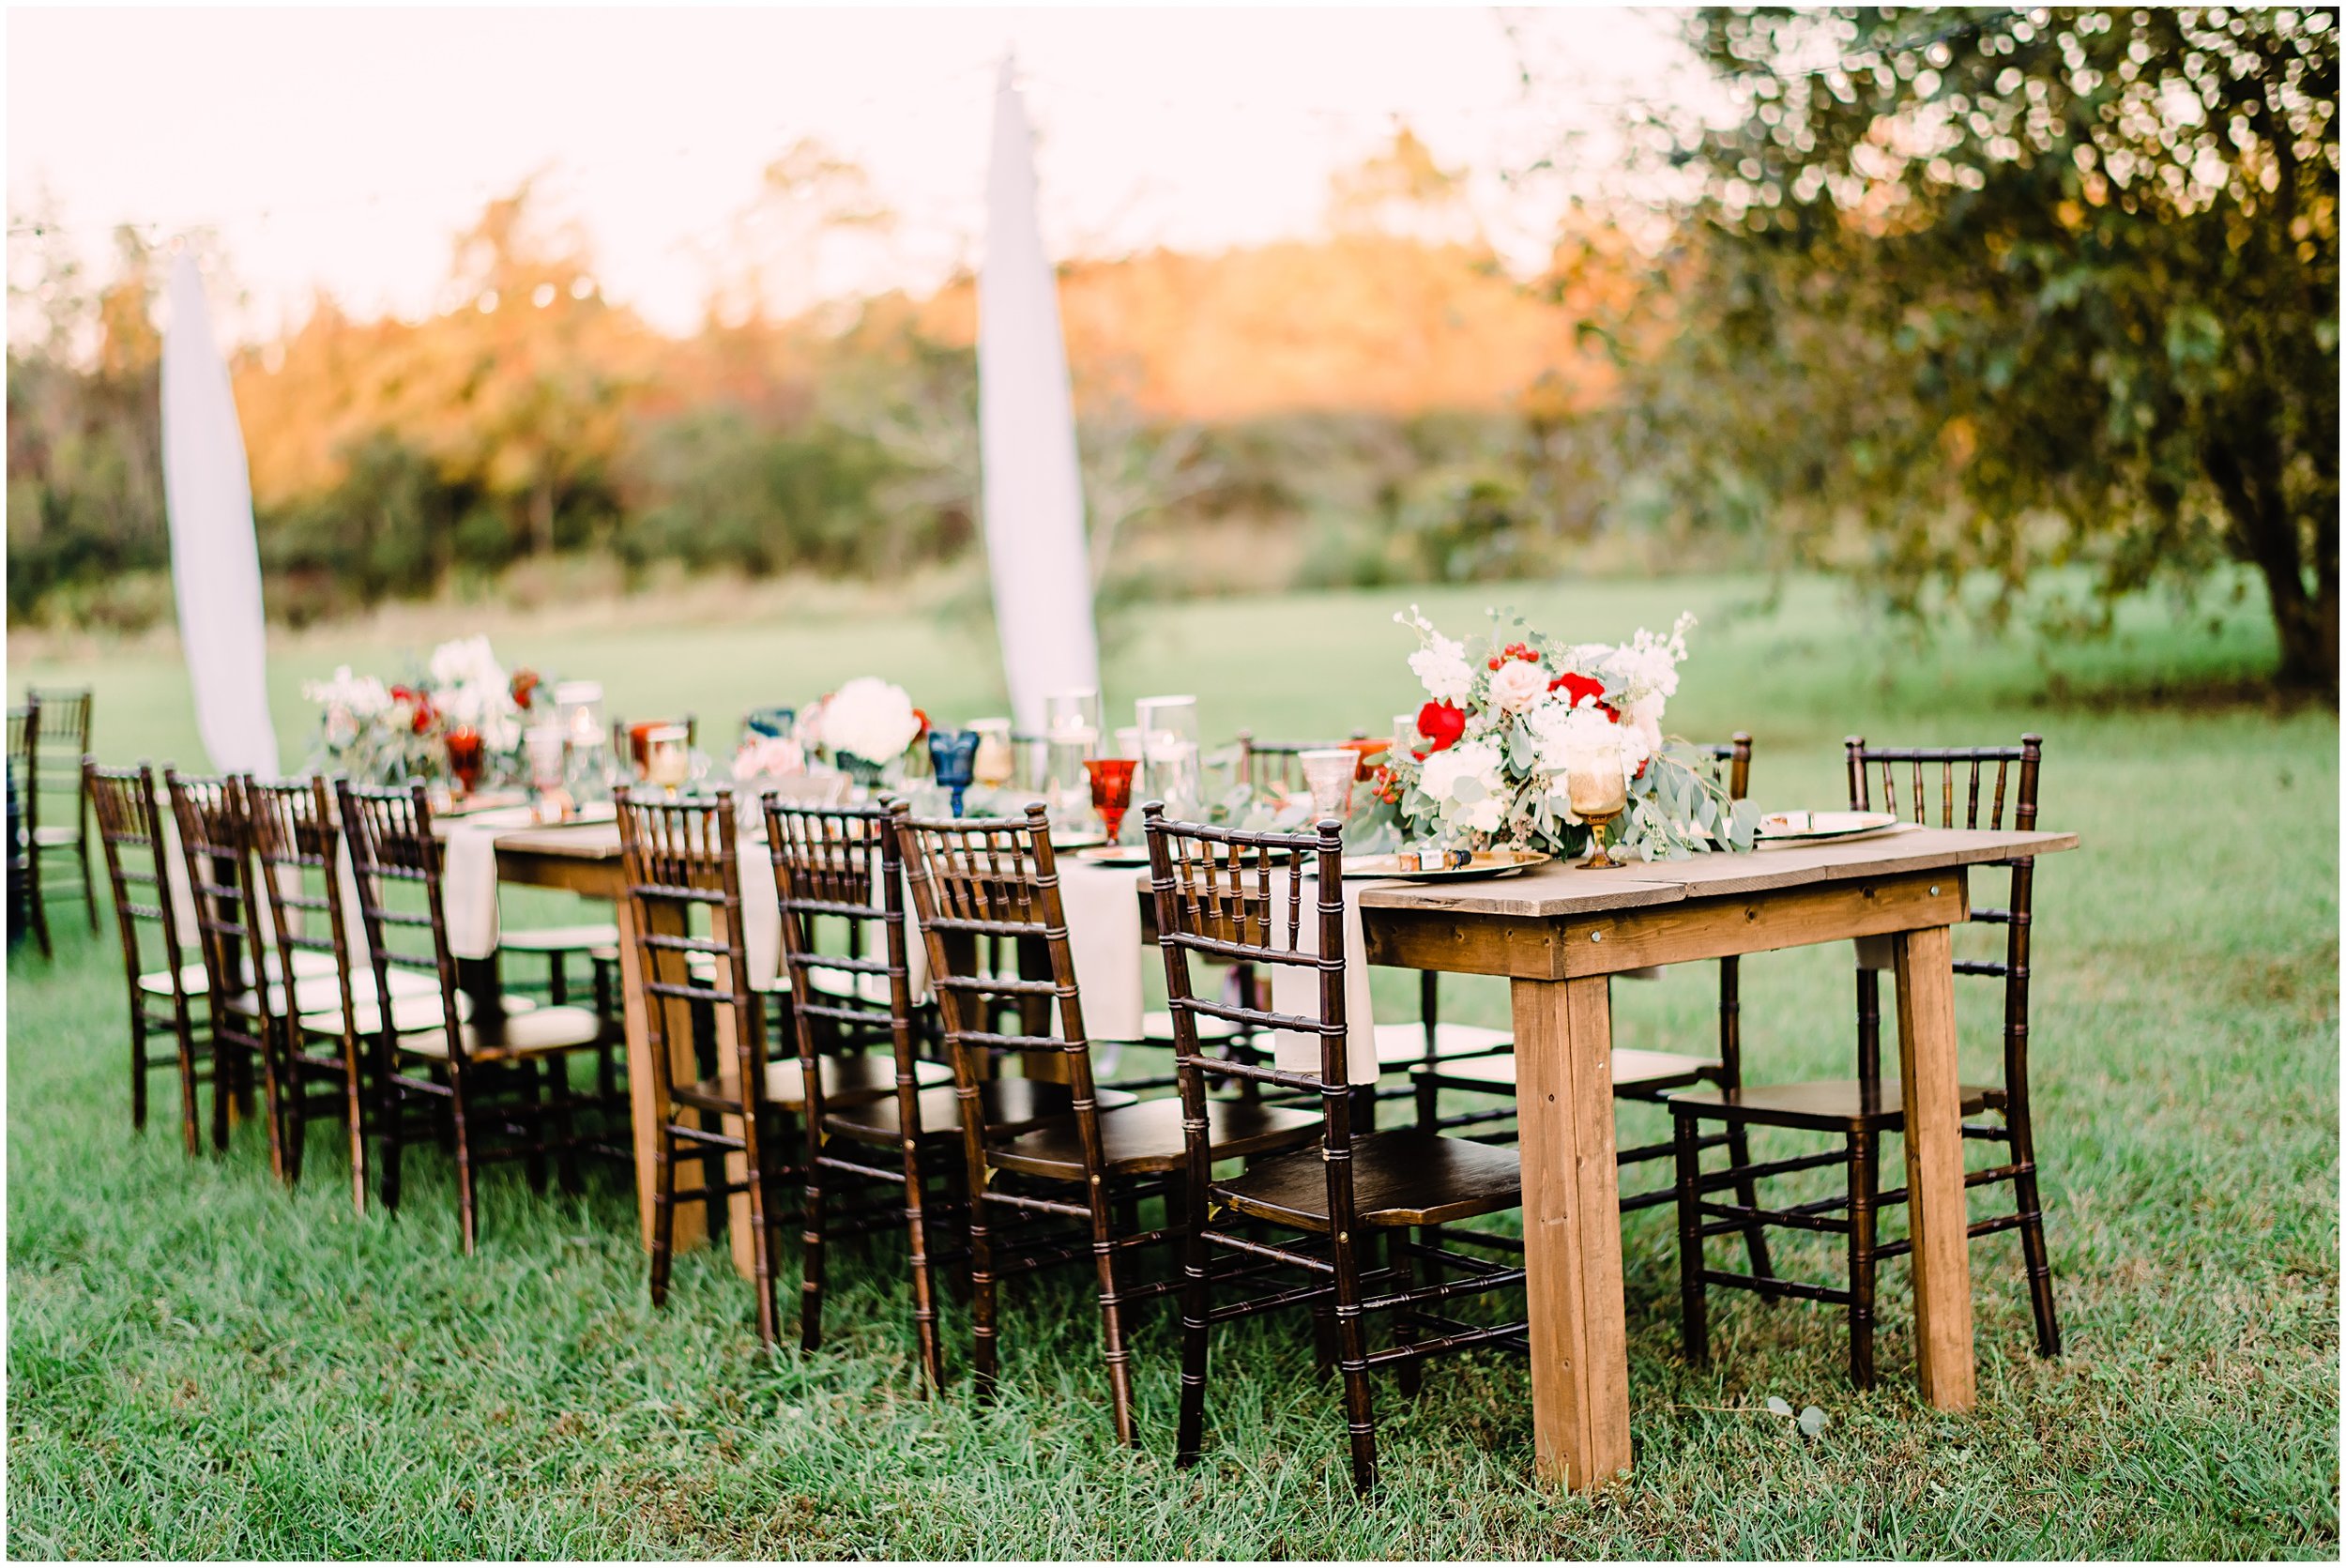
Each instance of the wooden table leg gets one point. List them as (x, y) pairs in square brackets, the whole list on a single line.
[(643, 1106), (1934, 1166), (1571, 1230)]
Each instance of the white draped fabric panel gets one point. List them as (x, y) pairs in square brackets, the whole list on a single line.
[(1033, 492), (215, 563)]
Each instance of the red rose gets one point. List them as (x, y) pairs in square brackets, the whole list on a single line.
[(1441, 723), (524, 687), (924, 723), (1577, 687)]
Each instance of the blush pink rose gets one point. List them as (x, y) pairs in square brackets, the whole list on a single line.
[(1517, 687)]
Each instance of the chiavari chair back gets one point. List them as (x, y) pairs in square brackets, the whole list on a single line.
[(215, 853), (63, 723), (164, 993), (1048, 1180)]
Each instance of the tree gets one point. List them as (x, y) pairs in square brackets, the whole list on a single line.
[(2020, 288)]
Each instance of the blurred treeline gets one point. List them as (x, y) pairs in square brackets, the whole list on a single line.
[(1955, 298), (1379, 405)]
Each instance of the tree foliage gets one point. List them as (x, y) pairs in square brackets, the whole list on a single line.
[(1994, 289)]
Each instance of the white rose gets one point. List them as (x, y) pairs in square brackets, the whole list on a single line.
[(1518, 686)]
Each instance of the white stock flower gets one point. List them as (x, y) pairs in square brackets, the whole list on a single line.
[(1518, 686), (871, 717), (1442, 667)]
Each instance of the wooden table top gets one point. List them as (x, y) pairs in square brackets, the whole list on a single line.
[(1561, 892)]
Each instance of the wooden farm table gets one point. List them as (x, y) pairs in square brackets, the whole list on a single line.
[(1560, 935)]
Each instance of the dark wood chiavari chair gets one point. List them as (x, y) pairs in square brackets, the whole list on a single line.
[(247, 1008), (499, 1067), (1056, 1170), (63, 724), (1216, 897), (164, 996), (296, 839), (25, 794), (1863, 1110), (843, 865)]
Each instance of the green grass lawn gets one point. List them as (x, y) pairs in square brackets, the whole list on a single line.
[(201, 1365)]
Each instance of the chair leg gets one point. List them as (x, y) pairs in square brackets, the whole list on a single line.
[(557, 981), (2033, 1252), (662, 1211), (89, 887), (983, 1363), (394, 1104), (810, 1237), (354, 1116), (137, 1068), (533, 1091), (762, 1246), (1694, 1326), (1862, 1188), (1409, 1375), (1196, 1310), (1747, 1195), (1359, 1417), (924, 1335), (467, 1217), (35, 904), (189, 1130), (1114, 1352)]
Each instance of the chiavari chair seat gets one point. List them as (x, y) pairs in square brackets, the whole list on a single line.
[(320, 993), (1148, 1138), (1007, 1106), (190, 976), (1340, 1215), (1403, 1178), (1404, 1045), (589, 939), (1822, 1105), (1632, 1068), (533, 1033), (1860, 1112)]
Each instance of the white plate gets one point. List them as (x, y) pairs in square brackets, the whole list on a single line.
[(1486, 862), (1075, 839), (1114, 855), (1818, 827)]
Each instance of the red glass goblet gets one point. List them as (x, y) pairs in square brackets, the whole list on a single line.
[(463, 758), (1111, 791)]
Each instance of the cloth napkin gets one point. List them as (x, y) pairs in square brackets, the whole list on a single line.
[(468, 877), (761, 927), (1103, 934)]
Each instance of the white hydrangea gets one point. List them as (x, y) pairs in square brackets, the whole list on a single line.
[(351, 703), (466, 661), (870, 717), (1465, 786)]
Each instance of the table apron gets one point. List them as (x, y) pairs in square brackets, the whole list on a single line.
[(1609, 942), (588, 877)]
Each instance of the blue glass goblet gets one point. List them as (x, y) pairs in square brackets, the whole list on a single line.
[(953, 752)]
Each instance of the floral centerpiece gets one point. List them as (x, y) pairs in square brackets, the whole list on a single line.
[(862, 728), (463, 715), (1508, 725)]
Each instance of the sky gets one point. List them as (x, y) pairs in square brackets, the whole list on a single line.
[(342, 149)]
